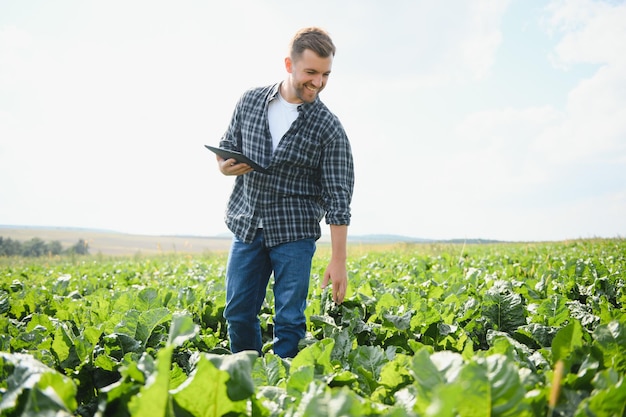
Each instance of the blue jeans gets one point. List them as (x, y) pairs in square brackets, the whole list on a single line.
[(247, 276)]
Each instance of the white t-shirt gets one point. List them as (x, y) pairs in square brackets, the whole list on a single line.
[(280, 115)]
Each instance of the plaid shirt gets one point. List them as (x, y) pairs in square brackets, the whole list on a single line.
[(310, 175)]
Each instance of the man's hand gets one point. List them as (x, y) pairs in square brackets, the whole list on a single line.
[(336, 271), (232, 167), (337, 274)]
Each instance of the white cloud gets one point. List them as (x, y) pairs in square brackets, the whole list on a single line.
[(419, 50), (498, 147), (592, 31), (538, 172), (12, 42), (595, 125), (482, 37)]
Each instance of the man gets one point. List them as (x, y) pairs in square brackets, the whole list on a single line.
[(275, 216)]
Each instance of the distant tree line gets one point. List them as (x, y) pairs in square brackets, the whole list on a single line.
[(37, 247)]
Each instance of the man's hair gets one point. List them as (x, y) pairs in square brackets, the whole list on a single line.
[(313, 38)]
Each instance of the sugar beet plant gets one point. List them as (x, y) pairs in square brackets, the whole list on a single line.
[(484, 330)]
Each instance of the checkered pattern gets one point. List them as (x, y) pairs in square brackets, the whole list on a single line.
[(311, 173)]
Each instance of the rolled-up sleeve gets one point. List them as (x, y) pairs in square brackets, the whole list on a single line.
[(337, 177)]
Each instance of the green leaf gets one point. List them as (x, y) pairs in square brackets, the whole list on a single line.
[(205, 393), (55, 389), (299, 380), (503, 307), (275, 400), (611, 339), (323, 321), (400, 322), (5, 304), (46, 389), (608, 399), (424, 315), (148, 299), (177, 376), (182, 329), (554, 311), (147, 322), (427, 378), (342, 378), (153, 398), (444, 401), (396, 373), (128, 325), (507, 391), (62, 343), (24, 372), (566, 341), (239, 367), (344, 343), (582, 313), (540, 334), (118, 345), (319, 400), (312, 402), (270, 370), (105, 362), (318, 355), (485, 387), (476, 400), (85, 341), (366, 362)]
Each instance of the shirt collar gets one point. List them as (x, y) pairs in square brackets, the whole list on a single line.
[(304, 109)]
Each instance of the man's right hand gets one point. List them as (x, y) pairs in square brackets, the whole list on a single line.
[(232, 167)]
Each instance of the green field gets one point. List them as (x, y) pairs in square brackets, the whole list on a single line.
[(426, 330)]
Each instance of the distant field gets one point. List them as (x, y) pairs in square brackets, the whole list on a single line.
[(122, 244), (113, 243)]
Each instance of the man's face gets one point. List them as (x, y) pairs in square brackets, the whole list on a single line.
[(308, 76)]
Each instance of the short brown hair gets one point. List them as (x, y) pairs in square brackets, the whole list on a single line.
[(313, 38)]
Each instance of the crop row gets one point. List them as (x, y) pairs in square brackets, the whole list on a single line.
[(480, 330)]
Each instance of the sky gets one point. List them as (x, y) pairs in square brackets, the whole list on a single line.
[(492, 119)]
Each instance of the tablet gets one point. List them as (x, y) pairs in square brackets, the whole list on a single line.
[(227, 154)]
